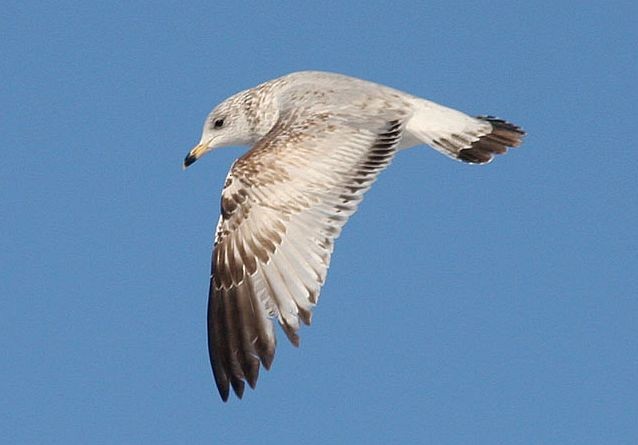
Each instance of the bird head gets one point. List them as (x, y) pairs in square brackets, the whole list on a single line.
[(228, 124)]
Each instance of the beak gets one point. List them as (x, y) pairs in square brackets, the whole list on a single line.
[(195, 154)]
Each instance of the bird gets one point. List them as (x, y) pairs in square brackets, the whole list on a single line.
[(318, 142)]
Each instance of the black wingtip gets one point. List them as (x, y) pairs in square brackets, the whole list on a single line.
[(238, 387), (224, 390), (251, 371), (267, 359)]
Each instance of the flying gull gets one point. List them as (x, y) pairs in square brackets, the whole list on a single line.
[(319, 140)]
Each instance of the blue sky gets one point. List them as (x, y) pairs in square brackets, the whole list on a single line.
[(464, 304)]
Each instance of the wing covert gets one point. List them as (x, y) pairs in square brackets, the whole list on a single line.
[(283, 205)]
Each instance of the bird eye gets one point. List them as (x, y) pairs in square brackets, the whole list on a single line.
[(219, 123)]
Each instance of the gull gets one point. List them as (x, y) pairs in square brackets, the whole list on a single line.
[(319, 140)]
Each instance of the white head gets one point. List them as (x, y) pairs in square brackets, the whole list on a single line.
[(230, 123)]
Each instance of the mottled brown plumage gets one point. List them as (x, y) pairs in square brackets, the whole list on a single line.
[(319, 142)]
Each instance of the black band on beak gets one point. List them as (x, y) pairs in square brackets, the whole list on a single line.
[(190, 159)]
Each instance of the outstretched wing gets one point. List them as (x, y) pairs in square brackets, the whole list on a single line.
[(283, 205)]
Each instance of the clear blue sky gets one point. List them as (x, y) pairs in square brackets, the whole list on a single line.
[(464, 304)]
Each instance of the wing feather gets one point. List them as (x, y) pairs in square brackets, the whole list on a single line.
[(283, 205)]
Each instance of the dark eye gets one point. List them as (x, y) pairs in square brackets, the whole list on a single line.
[(219, 123)]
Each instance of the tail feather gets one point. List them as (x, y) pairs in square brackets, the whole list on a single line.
[(474, 140), (502, 136)]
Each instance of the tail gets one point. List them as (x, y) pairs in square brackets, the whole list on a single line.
[(475, 140), (496, 142)]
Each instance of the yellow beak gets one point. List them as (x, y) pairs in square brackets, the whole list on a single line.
[(195, 154)]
